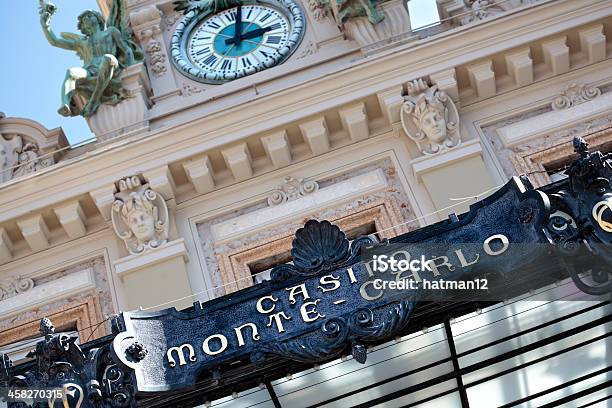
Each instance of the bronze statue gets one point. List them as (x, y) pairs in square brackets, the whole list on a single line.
[(106, 47), (205, 7), (344, 10)]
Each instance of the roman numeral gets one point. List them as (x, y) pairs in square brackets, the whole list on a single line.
[(203, 51), (249, 14), (210, 60), (231, 17), (202, 38), (264, 18), (246, 62), (265, 54), (273, 39), (213, 24), (226, 64), (275, 26)]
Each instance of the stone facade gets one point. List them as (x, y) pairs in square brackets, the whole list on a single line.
[(338, 131)]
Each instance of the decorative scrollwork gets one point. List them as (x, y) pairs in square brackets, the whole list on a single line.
[(89, 380), (292, 189), (526, 214), (575, 94), (337, 333), (15, 287), (137, 351), (583, 239)]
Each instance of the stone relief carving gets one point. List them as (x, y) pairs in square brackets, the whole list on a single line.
[(189, 89), (430, 118), (146, 23), (9, 156), (10, 288), (139, 216), (575, 94), (514, 159), (30, 162), (480, 10), (309, 49), (319, 9), (18, 158), (229, 259), (156, 58), (170, 20), (291, 189), (461, 12)]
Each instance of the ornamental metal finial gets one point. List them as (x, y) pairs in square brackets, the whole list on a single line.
[(585, 238), (93, 378), (581, 146)]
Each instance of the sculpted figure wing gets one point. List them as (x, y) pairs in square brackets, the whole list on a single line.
[(189, 5), (119, 18), (204, 7)]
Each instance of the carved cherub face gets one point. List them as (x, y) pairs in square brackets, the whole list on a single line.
[(142, 225), (434, 126)]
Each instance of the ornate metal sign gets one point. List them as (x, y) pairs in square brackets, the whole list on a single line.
[(326, 302), (321, 305), (67, 377)]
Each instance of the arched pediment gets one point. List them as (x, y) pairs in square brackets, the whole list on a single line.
[(26, 146), (32, 131)]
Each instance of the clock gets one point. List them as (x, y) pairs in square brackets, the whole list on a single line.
[(238, 41)]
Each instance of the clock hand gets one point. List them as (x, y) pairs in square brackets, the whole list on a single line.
[(238, 26), (247, 36), (255, 33), (231, 40), (230, 37)]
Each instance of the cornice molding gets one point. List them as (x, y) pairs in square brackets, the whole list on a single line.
[(363, 78)]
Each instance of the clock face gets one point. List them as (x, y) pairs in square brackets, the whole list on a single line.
[(238, 41)]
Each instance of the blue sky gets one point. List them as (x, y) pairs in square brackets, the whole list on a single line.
[(32, 70)]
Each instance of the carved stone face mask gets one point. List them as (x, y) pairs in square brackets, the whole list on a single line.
[(142, 225), (434, 126)]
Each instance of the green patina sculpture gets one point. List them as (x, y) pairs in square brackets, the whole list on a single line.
[(344, 10), (106, 47), (205, 7)]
